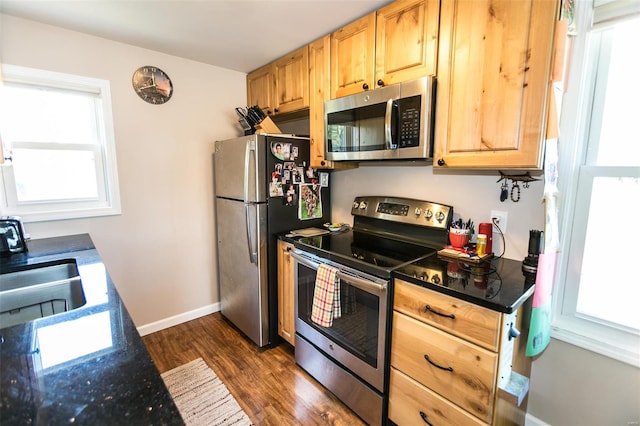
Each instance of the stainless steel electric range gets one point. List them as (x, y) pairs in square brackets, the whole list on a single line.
[(349, 356)]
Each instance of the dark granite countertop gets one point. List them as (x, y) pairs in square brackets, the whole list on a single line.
[(497, 284), (87, 366)]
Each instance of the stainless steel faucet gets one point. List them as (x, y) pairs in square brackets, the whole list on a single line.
[(13, 238)]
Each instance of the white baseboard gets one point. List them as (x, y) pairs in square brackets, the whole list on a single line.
[(178, 319), (530, 420)]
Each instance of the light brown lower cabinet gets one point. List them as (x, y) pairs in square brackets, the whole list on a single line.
[(412, 403), (448, 360), (286, 302)]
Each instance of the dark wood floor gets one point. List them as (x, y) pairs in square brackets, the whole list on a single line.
[(267, 383)]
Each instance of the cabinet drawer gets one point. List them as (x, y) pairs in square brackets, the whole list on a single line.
[(464, 319), (457, 370), (410, 403)]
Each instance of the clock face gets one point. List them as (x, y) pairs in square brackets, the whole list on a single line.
[(152, 85)]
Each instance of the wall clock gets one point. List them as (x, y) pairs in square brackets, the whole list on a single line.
[(152, 85)]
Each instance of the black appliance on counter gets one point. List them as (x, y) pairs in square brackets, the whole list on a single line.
[(349, 356)]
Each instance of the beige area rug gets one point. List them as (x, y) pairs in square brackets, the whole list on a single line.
[(201, 396)]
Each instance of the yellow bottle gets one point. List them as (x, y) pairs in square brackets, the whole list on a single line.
[(481, 245)]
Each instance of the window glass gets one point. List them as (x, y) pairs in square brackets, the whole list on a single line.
[(35, 114), (45, 175), (58, 141), (619, 136), (607, 291), (596, 285)]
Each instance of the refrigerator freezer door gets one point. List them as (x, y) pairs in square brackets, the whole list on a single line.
[(243, 283), (239, 168)]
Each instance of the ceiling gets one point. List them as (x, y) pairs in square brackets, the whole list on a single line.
[(236, 34)]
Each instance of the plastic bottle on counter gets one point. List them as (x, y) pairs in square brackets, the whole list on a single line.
[(481, 245), (487, 229)]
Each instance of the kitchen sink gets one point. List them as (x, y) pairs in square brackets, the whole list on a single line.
[(40, 290)]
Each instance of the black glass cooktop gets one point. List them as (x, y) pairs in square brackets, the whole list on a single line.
[(367, 252)]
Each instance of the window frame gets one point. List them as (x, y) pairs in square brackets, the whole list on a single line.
[(108, 201), (576, 175)]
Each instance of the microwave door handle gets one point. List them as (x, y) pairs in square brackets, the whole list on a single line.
[(387, 125)]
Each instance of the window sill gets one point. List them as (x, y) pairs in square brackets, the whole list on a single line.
[(624, 347)]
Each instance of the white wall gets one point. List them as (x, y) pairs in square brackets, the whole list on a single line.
[(471, 195), (571, 386), (161, 251)]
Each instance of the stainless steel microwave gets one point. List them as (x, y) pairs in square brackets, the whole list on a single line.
[(390, 123)]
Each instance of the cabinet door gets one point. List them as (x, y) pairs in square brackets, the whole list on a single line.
[(406, 40), (459, 371), (261, 88), (352, 57), (319, 87), (493, 72), (464, 319), (286, 307), (291, 73), (412, 403)]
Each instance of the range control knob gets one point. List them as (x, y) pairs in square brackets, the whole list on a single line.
[(418, 211), (355, 204), (436, 279), (440, 216), (428, 214), (424, 277), (363, 205)]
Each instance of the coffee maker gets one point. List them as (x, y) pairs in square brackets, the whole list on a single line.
[(530, 263)]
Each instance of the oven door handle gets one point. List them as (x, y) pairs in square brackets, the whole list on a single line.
[(361, 283)]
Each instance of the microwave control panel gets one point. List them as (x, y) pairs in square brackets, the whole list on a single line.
[(409, 121)]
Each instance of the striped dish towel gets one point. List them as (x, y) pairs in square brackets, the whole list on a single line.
[(326, 296)]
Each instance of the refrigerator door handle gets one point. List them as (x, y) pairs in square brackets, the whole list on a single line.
[(250, 148), (253, 251)]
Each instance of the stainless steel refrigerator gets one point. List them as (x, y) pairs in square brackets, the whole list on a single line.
[(263, 187)]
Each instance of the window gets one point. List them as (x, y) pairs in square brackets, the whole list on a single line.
[(58, 145), (597, 286)]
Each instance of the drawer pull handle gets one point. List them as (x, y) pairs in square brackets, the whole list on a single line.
[(430, 309), (436, 365), (424, 418)]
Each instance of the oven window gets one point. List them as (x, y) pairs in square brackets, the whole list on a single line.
[(357, 329)]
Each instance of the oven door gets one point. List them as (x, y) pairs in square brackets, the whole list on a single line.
[(356, 339)]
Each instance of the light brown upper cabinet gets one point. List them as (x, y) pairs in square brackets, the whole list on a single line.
[(318, 93), (352, 62), (396, 43), (281, 86), (406, 40), (319, 86), (261, 89), (493, 81), (292, 81)]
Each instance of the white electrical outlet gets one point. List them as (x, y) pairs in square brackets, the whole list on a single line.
[(500, 221)]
